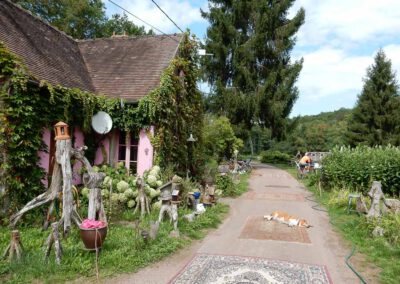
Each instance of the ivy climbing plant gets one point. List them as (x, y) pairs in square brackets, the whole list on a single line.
[(27, 107)]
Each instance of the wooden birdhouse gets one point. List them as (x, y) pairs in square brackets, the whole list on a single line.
[(61, 130)]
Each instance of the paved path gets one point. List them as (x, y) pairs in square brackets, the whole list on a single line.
[(270, 189)]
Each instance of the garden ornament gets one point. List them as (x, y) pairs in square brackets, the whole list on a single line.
[(376, 194), (143, 201), (14, 249)]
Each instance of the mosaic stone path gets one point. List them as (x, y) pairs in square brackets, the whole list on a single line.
[(218, 269)]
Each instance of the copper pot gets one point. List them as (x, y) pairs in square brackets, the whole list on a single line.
[(93, 238)]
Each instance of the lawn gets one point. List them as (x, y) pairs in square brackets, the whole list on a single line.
[(122, 252), (356, 229)]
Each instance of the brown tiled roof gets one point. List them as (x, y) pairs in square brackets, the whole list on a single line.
[(123, 67), (48, 53), (128, 67)]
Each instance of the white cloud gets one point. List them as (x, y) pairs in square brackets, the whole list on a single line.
[(182, 12), (347, 22), (328, 71), (338, 42)]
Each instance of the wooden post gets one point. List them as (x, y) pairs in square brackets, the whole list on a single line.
[(96, 209), (63, 157), (14, 249)]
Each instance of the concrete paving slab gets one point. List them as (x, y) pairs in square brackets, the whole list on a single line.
[(324, 248)]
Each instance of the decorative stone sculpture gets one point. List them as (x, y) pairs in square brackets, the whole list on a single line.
[(393, 205), (376, 194), (360, 206), (378, 232)]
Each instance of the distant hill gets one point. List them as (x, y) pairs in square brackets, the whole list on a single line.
[(319, 132)]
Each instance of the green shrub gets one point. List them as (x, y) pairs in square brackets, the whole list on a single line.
[(225, 183), (274, 157), (356, 168)]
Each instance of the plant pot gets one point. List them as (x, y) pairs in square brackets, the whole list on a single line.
[(93, 238)]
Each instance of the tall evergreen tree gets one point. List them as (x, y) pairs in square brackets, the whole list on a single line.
[(251, 72), (375, 117)]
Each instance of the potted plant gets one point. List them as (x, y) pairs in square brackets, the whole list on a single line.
[(93, 233)]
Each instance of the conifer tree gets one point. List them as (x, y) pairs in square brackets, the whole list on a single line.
[(375, 118), (251, 72)]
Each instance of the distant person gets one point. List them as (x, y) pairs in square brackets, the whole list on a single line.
[(305, 161)]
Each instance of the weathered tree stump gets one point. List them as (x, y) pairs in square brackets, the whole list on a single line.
[(54, 239), (14, 249)]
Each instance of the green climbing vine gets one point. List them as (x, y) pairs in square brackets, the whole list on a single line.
[(28, 107)]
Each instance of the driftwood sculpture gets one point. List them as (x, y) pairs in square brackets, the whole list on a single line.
[(96, 208), (54, 239), (143, 201), (14, 249), (61, 183)]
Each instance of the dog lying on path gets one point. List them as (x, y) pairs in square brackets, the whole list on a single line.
[(285, 218)]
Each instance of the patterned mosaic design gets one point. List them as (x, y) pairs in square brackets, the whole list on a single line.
[(259, 229), (218, 269), (274, 196)]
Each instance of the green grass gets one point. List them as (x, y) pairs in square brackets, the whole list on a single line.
[(243, 185), (355, 228), (122, 250)]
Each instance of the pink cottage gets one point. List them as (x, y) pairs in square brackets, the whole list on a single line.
[(120, 67)]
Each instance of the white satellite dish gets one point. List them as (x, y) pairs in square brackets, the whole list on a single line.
[(102, 122)]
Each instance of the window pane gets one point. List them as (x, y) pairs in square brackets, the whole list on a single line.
[(121, 153), (122, 137), (134, 140), (133, 167), (134, 150)]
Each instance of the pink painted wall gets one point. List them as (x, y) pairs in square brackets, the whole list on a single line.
[(99, 159), (145, 152), (79, 142), (44, 156)]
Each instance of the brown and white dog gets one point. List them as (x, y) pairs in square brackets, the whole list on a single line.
[(285, 218)]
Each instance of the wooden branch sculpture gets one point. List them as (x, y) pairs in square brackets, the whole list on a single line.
[(93, 182), (15, 247), (143, 200), (54, 239)]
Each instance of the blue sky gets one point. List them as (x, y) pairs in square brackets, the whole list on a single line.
[(337, 42)]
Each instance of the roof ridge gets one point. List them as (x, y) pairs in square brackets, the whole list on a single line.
[(37, 18), (128, 37)]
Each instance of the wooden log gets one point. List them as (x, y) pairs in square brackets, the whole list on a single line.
[(14, 249)]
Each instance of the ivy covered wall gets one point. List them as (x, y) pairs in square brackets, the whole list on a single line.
[(175, 108)]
